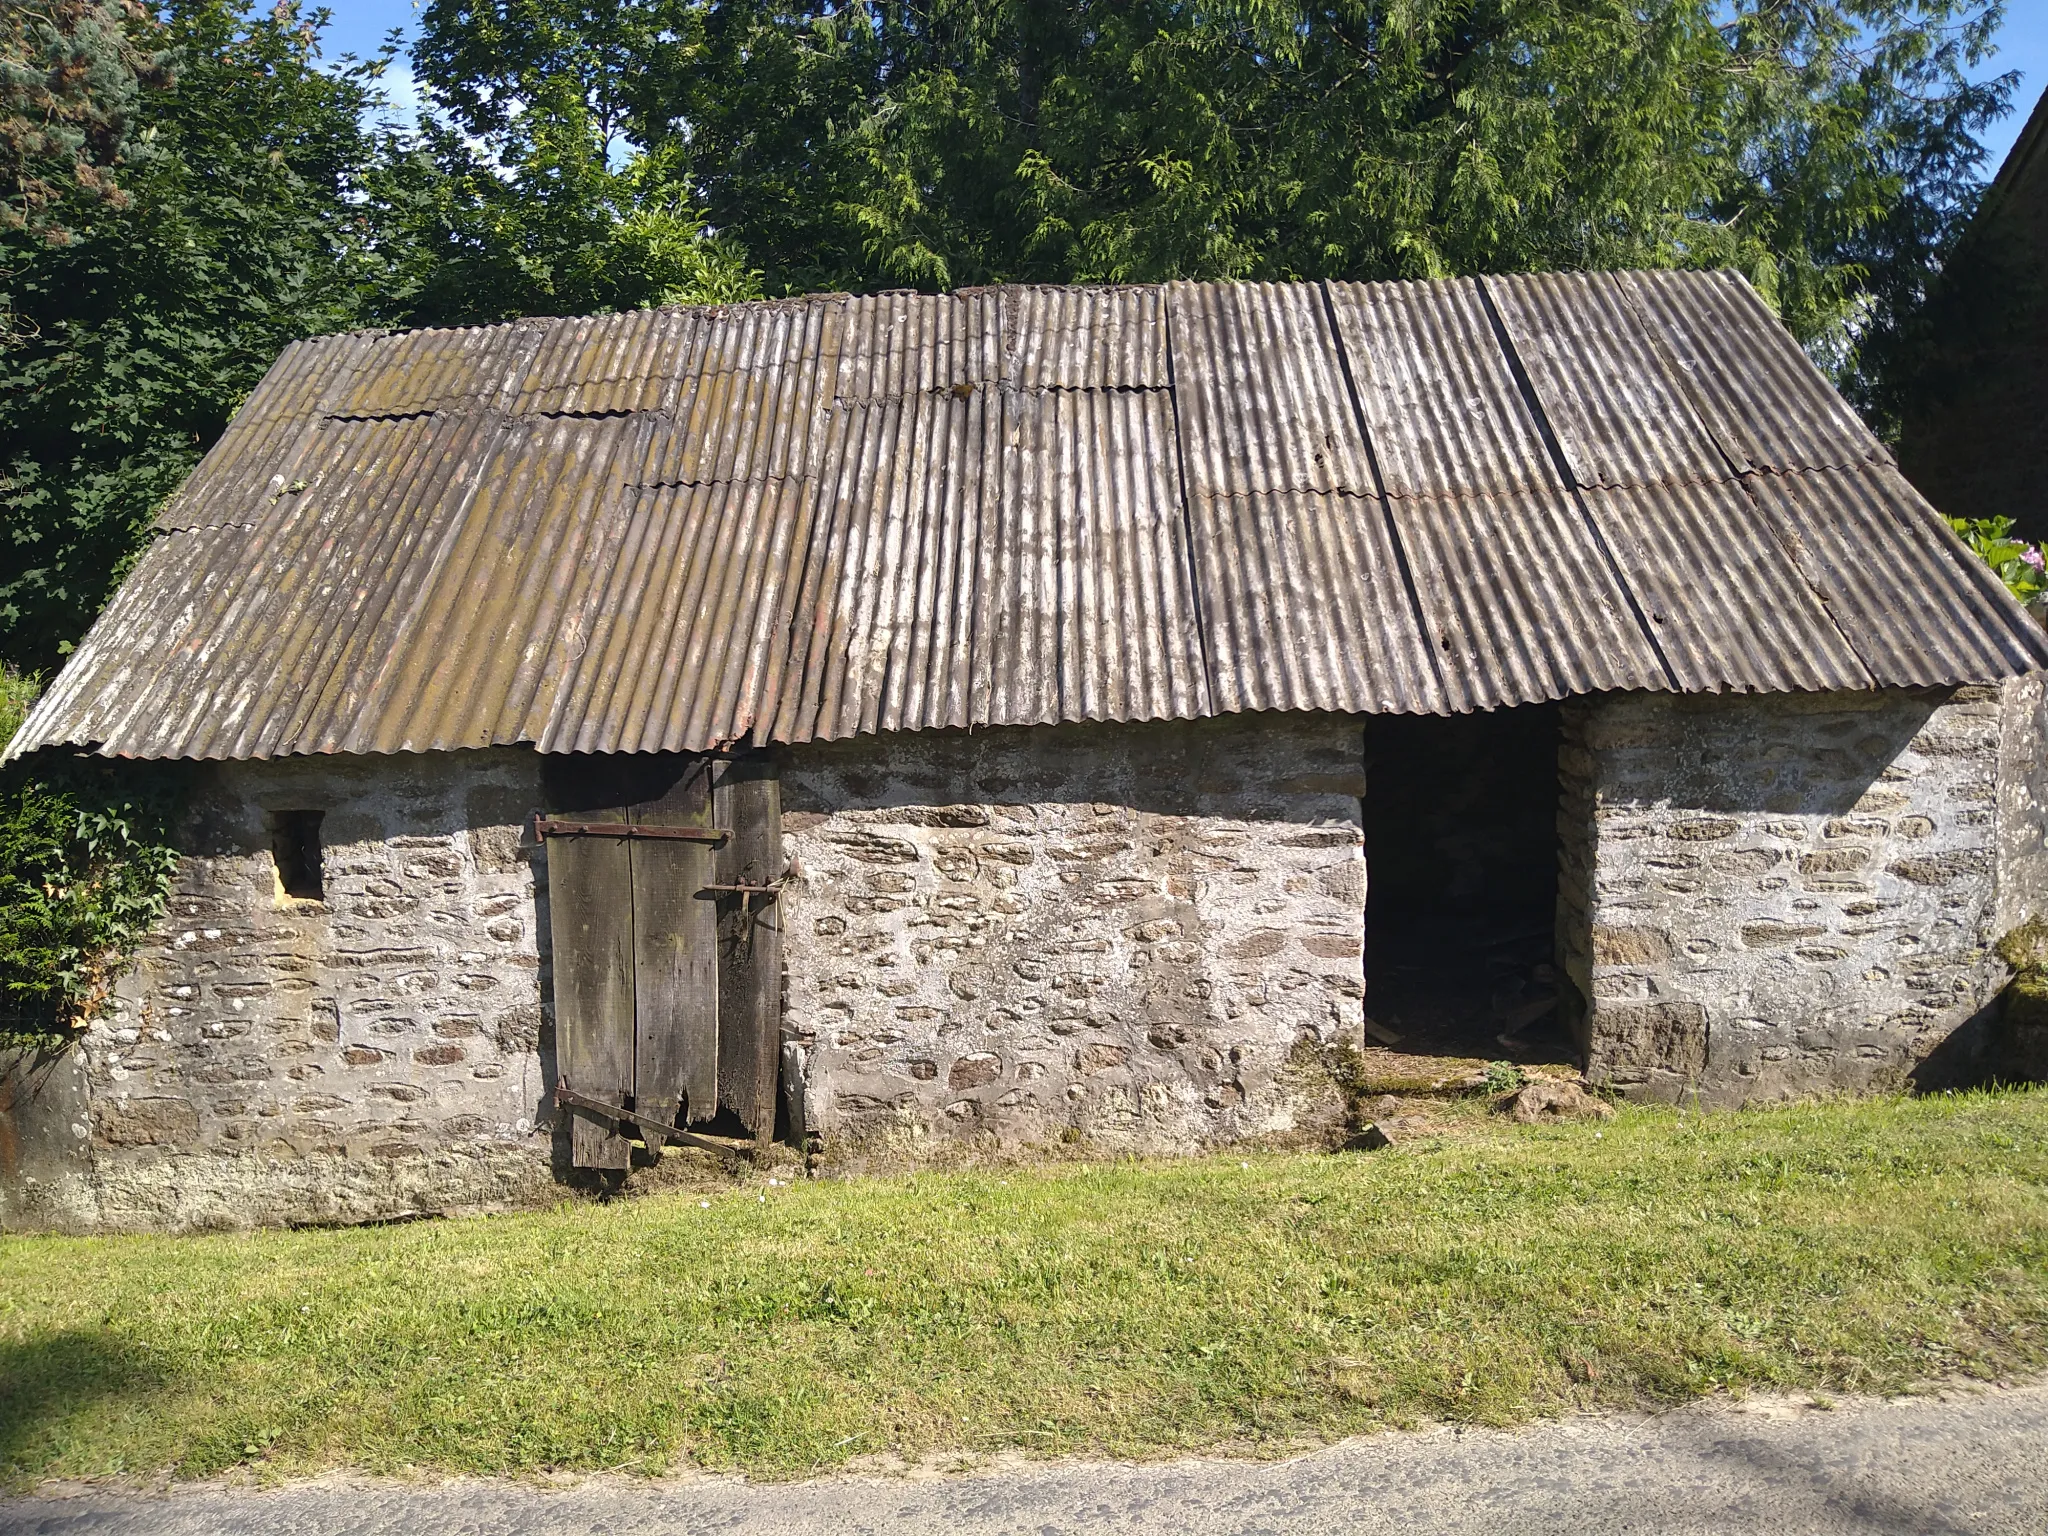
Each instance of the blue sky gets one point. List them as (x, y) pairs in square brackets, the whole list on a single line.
[(359, 26)]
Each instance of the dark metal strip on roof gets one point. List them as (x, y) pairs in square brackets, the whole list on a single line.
[(1937, 614), (1306, 609), (1519, 598), (1602, 382), (1765, 402), (812, 518), (1729, 607), (1260, 391), (1440, 403)]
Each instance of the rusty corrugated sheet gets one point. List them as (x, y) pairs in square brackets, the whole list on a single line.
[(1919, 609), (258, 455), (753, 400), (1092, 615), (1306, 606), (885, 602), (689, 619), (1438, 397), (460, 370), (910, 343), (1601, 382), (1721, 591), (814, 518), (1259, 389), (1519, 600)]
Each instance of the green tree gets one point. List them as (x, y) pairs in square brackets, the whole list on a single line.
[(945, 142), (519, 194), (134, 336), (71, 75)]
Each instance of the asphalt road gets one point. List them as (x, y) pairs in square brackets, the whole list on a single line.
[(1974, 1461)]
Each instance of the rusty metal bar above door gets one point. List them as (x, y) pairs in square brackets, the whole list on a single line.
[(546, 827)]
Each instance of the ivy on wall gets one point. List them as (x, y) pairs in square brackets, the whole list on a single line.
[(87, 857)]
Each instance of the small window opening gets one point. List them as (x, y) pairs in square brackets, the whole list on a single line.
[(295, 845)]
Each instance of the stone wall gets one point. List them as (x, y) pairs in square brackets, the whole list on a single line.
[(1144, 933), (1148, 935), (1785, 894), (272, 1060)]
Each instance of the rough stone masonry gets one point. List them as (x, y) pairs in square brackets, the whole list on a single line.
[(1128, 929), (1142, 932), (1147, 934), (1793, 893), (268, 1059)]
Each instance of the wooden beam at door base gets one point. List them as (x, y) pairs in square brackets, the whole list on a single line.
[(566, 1095)]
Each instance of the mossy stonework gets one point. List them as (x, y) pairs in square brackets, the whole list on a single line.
[(1120, 931), (370, 1054), (1140, 937)]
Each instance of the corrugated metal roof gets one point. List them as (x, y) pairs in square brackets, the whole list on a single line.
[(807, 519), (1437, 395), (1258, 384)]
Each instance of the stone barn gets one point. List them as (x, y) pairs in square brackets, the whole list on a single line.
[(1018, 716)]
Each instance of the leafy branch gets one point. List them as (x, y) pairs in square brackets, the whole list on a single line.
[(2020, 565)]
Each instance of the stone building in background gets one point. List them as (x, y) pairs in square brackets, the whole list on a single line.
[(1020, 717), (1974, 437)]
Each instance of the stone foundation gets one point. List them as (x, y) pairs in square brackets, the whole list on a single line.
[(1142, 933), (1768, 897)]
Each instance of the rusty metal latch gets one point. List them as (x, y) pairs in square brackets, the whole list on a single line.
[(544, 827), (771, 889)]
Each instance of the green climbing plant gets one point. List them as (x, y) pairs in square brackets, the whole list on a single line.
[(87, 856)]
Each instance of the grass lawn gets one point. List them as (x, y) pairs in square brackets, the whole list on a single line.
[(1124, 1308)]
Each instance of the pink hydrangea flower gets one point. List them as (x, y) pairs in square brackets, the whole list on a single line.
[(2033, 557)]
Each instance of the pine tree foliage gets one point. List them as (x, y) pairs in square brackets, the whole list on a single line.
[(72, 73), (1824, 147)]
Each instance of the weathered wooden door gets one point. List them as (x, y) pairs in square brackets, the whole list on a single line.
[(663, 875)]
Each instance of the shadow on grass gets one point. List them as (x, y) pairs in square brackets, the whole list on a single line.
[(49, 1378)]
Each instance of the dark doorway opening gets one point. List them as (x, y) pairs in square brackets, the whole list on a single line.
[(1461, 849)]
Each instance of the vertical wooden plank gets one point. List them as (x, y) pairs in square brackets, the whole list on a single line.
[(748, 799), (675, 958), (590, 905)]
